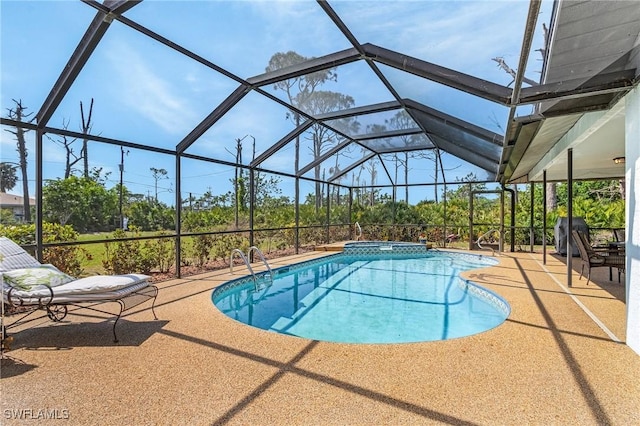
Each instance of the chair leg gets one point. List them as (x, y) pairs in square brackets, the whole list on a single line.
[(581, 271), (588, 275)]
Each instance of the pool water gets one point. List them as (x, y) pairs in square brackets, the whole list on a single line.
[(370, 298)]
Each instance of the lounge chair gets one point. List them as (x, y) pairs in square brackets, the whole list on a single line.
[(593, 257), (28, 286)]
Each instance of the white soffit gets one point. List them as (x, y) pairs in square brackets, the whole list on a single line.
[(596, 139)]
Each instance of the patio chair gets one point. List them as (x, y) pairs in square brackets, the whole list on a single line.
[(28, 286), (619, 235), (596, 257)]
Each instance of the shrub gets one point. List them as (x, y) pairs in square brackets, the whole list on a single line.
[(124, 257), (202, 245), (68, 259), (164, 251)]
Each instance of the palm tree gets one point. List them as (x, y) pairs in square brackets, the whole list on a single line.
[(8, 177)]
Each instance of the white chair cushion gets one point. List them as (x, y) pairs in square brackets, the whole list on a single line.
[(27, 278)]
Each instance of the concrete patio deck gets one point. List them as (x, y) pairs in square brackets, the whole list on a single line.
[(549, 363)]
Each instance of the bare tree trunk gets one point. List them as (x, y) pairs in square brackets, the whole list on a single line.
[(67, 144), (239, 175), (373, 182), (316, 154), (435, 179), (86, 128), (296, 160), (19, 115), (406, 177), (22, 150), (552, 199), (395, 177)]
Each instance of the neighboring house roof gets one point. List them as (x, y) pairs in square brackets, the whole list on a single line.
[(11, 200)]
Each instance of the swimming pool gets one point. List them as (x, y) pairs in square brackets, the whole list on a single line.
[(370, 293)]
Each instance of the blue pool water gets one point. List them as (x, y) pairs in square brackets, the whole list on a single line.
[(377, 294)]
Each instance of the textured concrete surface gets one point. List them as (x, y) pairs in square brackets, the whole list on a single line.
[(549, 363)]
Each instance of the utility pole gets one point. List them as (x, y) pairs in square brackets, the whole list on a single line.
[(121, 167)]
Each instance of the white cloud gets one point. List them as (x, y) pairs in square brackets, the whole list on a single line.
[(462, 35), (146, 92)]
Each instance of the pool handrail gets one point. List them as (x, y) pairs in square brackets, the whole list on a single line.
[(244, 258), (358, 231), (485, 237), (260, 255)]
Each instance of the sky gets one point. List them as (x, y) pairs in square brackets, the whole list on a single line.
[(148, 94)]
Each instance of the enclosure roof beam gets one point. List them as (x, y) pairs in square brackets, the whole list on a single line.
[(487, 164), (356, 44), (449, 120), (362, 110), (282, 142), (212, 118), (600, 84), (384, 167), (389, 134), (446, 136), (353, 166), (307, 67), (407, 149), (455, 79), (80, 56), (527, 39), (324, 157)]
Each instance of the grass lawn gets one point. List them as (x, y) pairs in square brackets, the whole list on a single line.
[(97, 251)]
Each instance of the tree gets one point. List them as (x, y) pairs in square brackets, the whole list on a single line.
[(86, 129), (157, 175), (551, 196), (71, 157), (239, 182), (18, 114), (264, 187), (151, 215), (298, 89), (83, 203), (66, 142), (323, 138), (8, 177), (402, 120)]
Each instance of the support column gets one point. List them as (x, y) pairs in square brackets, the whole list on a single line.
[(632, 218), (532, 233), (328, 233), (471, 238), (39, 174), (252, 200), (444, 218), (501, 240), (569, 215), (351, 231), (178, 215), (297, 214), (544, 217)]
